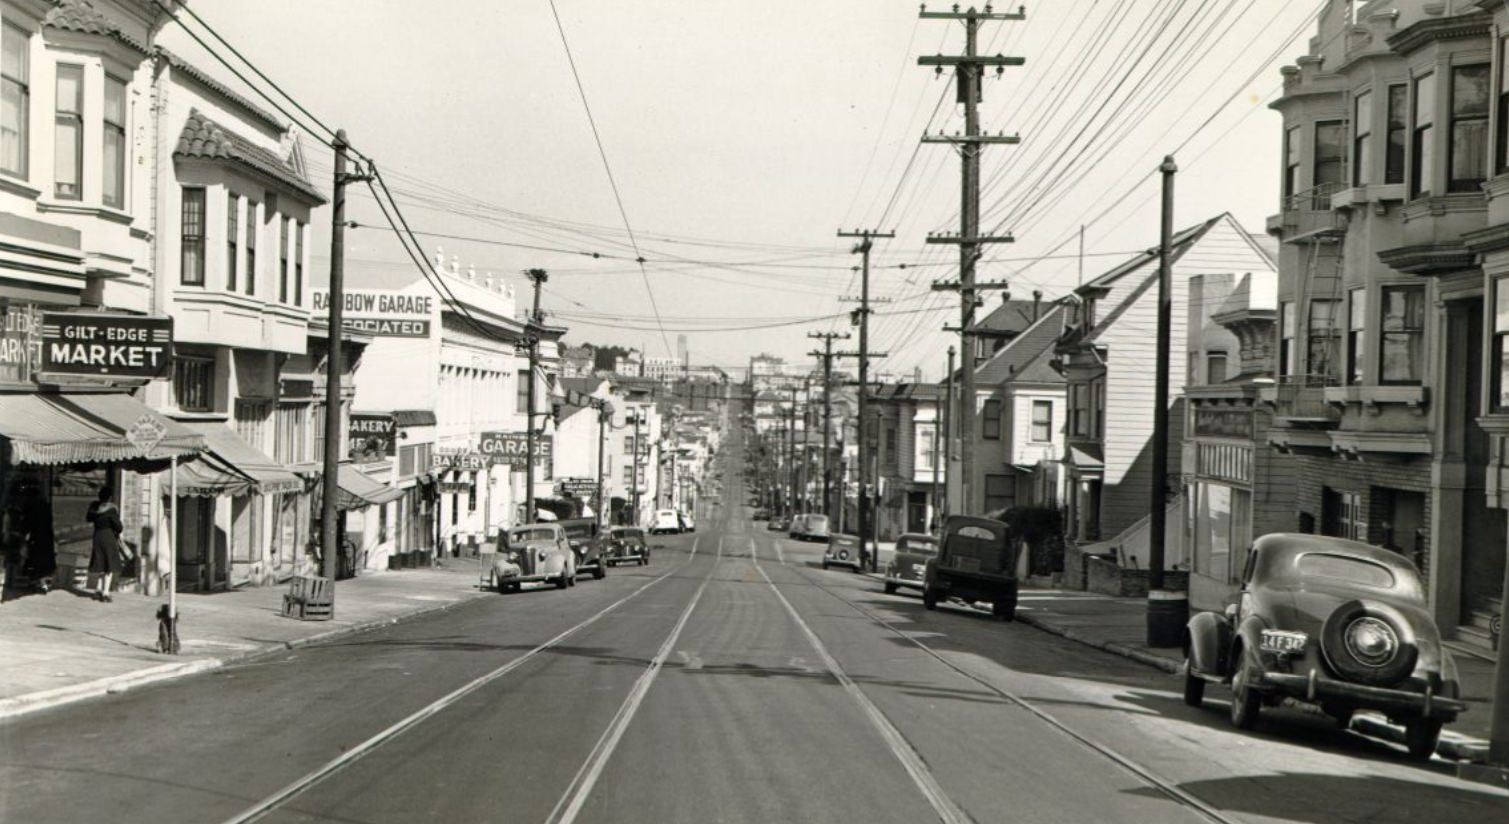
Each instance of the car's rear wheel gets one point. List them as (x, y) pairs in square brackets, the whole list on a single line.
[(1194, 686), (929, 598), (562, 582), (1004, 605), (1246, 702), (1420, 737), (599, 572), (825, 564), (890, 588)]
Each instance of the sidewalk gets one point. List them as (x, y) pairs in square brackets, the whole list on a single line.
[(64, 646), (1118, 625)]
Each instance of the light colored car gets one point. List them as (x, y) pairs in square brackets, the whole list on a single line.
[(812, 527), (909, 562), (843, 550), (665, 520), (533, 553), (687, 524)]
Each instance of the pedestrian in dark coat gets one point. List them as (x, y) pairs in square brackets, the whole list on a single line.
[(41, 544), (105, 551)]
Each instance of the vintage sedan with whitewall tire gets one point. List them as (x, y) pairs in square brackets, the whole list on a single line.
[(908, 562), (533, 553), (1333, 623)]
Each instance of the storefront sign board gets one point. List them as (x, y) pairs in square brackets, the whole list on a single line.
[(115, 346), (512, 448), (381, 314), (371, 437)]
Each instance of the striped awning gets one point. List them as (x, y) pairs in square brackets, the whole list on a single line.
[(84, 427), (232, 466), (358, 491)]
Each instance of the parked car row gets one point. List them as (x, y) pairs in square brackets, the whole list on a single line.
[(809, 527), (671, 522), (556, 552)]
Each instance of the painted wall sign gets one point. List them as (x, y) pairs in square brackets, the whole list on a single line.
[(381, 314), (371, 438), (510, 448), (20, 340), (118, 346)]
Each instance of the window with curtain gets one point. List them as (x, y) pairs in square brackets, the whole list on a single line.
[(1357, 314), (1320, 352), (1467, 160), (990, 420), (68, 134), (1042, 421), (1291, 162), (1286, 350), (192, 236), (1398, 128), (15, 99), (114, 167), (232, 239), (1402, 335), (1500, 354), (251, 247), (1423, 146), (1362, 138)]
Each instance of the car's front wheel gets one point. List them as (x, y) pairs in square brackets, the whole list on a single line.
[(1194, 686), (599, 572), (562, 582), (890, 588), (1420, 737), (1246, 702)]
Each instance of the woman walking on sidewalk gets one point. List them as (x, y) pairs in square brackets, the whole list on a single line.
[(105, 553)]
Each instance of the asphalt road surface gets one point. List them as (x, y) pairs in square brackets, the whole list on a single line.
[(730, 680)]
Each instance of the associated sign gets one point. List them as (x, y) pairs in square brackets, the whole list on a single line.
[(577, 487), (381, 314), (511, 448), (371, 438), (117, 346)]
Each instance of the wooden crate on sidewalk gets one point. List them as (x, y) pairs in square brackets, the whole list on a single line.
[(309, 598)]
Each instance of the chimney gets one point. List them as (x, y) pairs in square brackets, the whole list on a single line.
[(1037, 299), (1006, 296), (440, 258), (455, 266)]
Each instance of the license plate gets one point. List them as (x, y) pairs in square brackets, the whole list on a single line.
[(1273, 641), (919, 569), (966, 564)]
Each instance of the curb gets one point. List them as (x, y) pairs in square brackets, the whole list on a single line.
[(20, 705), (1150, 659)]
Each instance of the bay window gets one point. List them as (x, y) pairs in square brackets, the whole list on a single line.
[(1500, 354), (1215, 368), (1357, 313), (191, 236), (1467, 160), (1422, 145), (15, 99), (1291, 164), (282, 260), (1286, 350), (232, 239), (1362, 138), (990, 421), (1079, 410), (1042, 421), (1398, 127), (251, 247), (1501, 162), (1402, 335), (298, 264), (1320, 352), (68, 134), (1330, 160), (115, 143)]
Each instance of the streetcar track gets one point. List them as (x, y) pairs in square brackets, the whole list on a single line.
[(272, 802), (1142, 773)]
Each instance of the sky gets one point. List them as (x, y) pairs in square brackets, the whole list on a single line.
[(742, 134)]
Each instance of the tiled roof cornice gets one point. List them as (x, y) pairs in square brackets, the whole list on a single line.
[(204, 139), (80, 16)]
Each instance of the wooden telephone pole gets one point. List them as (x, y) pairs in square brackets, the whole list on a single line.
[(967, 71), (537, 277), (863, 248), (827, 355)]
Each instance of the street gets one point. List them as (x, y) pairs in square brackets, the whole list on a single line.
[(729, 680)]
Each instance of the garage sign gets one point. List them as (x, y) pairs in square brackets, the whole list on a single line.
[(512, 447), (116, 346)]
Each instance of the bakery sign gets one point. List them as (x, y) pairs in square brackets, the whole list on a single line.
[(371, 437), (114, 346)]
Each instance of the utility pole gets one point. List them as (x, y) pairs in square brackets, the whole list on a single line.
[(634, 507), (863, 248), (329, 517), (602, 446), (948, 419), (791, 466), (538, 278), (827, 355), (967, 71), (1167, 612)]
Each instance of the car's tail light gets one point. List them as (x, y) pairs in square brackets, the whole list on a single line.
[(1371, 641)]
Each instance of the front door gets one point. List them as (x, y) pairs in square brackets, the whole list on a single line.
[(916, 512)]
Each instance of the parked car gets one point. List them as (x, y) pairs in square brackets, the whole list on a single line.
[(533, 553), (583, 534), (626, 544), (844, 550), (909, 561), (814, 527), (665, 521), (760, 515), (976, 561), (687, 524), (776, 523), (1334, 623)]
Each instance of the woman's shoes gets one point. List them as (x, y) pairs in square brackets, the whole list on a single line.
[(103, 598)]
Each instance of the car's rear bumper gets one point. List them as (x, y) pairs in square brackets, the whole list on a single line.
[(1315, 687), (904, 582)]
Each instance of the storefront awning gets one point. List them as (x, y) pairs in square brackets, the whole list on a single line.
[(232, 466), (357, 490), (67, 428)]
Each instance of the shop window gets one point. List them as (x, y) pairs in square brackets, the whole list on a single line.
[(68, 134), (1291, 164), (1000, 492), (1215, 367), (194, 384), (990, 421), (1320, 352), (1467, 159), (1357, 313), (1500, 354), (114, 167), (1042, 421), (232, 239), (1286, 350), (15, 99), (1398, 129), (191, 236), (1422, 145), (251, 419), (1402, 335), (455, 507), (1362, 138)]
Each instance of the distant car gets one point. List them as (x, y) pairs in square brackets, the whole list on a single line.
[(909, 561), (583, 536), (760, 515), (976, 561), (687, 524), (1333, 623), (843, 550), (626, 544), (533, 553), (776, 523), (813, 527), (665, 521)]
